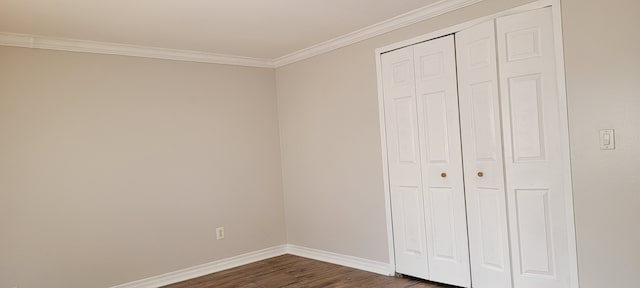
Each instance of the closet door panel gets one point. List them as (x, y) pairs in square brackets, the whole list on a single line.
[(407, 201), (536, 152), (401, 119), (441, 161), (483, 161)]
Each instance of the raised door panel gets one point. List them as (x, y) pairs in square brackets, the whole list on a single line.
[(441, 161), (405, 127), (483, 118), (483, 161), (527, 129), (434, 108), (409, 233), (536, 153), (407, 201), (534, 229), (443, 219)]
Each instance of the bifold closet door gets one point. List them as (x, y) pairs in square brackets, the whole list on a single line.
[(403, 156), (482, 150), (512, 118), (441, 159), (536, 153), (425, 162)]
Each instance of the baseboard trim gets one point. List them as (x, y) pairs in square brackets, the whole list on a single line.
[(343, 260), (232, 262), (207, 268)]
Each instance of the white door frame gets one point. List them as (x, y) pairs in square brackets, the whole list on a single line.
[(560, 68)]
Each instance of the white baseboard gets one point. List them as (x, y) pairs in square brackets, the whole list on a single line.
[(204, 269), (343, 260), (216, 266)]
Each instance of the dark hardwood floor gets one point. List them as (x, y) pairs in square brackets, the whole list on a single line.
[(296, 272)]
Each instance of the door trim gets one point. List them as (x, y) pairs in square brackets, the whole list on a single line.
[(560, 68)]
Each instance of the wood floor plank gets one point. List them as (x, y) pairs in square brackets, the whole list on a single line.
[(289, 271)]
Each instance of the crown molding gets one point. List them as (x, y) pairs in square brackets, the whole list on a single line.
[(76, 45), (411, 17)]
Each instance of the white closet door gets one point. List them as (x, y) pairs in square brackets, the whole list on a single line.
[(482, 151), (536, 152), (403, 154), (439, 128)]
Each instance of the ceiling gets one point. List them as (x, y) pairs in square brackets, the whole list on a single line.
[(265, 29)]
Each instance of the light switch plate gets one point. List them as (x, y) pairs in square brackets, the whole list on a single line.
[(607, 139)]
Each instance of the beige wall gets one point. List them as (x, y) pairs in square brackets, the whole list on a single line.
[(331, 149), (330, 139), (602, 47), (114, 169)]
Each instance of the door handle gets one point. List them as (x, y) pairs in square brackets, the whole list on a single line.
[(480, 174)]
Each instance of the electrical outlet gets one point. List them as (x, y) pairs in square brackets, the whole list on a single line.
[(220, 233)]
